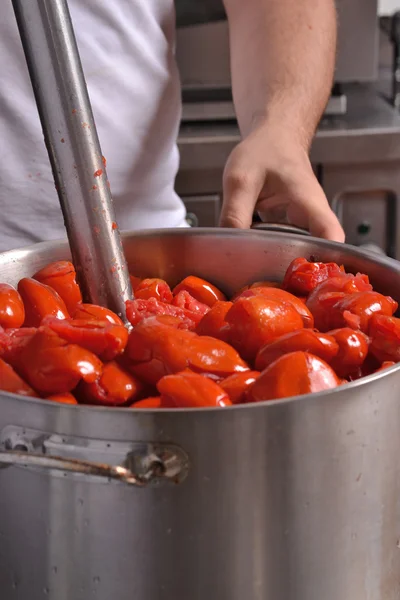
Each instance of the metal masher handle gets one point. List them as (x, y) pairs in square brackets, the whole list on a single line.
[(71, 138)]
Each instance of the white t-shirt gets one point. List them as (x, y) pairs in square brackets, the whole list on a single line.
[(127, 51)]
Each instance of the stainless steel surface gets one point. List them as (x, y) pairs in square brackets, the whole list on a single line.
[(192, 12), (203, 211), (373, 248), (370, 131), (134, 464), (395, 40), (208, 111), (225, 110), (367, 194), (357, 57), (290, 500), (56, 463), (367, 212), (280, 227), (203, 49), (74, 150), (337, 105)]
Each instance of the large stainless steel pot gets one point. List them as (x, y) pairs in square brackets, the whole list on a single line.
[(292, 500)]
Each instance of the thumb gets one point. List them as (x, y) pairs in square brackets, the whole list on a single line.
[(241, 189)]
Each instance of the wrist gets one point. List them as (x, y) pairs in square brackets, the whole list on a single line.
[(285, 146), (281, 130)]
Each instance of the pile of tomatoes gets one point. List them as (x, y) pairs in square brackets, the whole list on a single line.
[(190, 346)]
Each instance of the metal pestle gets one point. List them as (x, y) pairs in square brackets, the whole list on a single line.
[(71, 138)]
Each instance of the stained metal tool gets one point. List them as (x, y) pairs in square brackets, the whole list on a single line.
[(72, 142)]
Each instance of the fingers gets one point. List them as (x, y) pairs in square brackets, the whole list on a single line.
[(322, 221), (248, 183), (241, 189), (326, 225)]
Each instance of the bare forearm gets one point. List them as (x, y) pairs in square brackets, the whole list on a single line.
[(282, 60)]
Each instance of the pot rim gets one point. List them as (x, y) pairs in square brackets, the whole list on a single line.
[(382, 261), (378, 259), (170, 411)]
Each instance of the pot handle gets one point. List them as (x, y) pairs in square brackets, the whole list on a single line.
[(281, 228), (171, 468)]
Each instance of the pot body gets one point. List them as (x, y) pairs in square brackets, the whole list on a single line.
[(291, 500)]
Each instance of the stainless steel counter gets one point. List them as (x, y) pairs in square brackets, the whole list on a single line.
[(369, 131)]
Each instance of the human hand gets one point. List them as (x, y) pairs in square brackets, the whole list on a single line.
[(270, 172)]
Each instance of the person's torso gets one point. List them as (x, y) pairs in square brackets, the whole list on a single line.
[(127, 51)]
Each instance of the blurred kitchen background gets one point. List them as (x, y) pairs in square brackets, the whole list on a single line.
[(356, 152)]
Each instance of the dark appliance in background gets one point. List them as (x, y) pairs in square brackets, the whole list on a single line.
[(356, 151)]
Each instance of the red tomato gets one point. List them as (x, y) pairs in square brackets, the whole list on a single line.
[(238, 385), (369, 366), (385, 365), (385, 338), (156, 349), (148, 403), (293, 374), (257, 320), (356, 310), (190, 390), (12, 312), (63, 398), (100, 337), (40, 300), (277, 294), (237, 294), (302, 276), (134, 282), (52, 366), (345, 283), (353, 350), (13, 383), (166, 320), (305, 340), (61, 277), (267, 284), (213, 323), (200, 289), (184, 300), (257, 284), (347, 301), (92, 312), (137, 310), (116, 387), (13, 341), (153, 288), (329, 292)]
